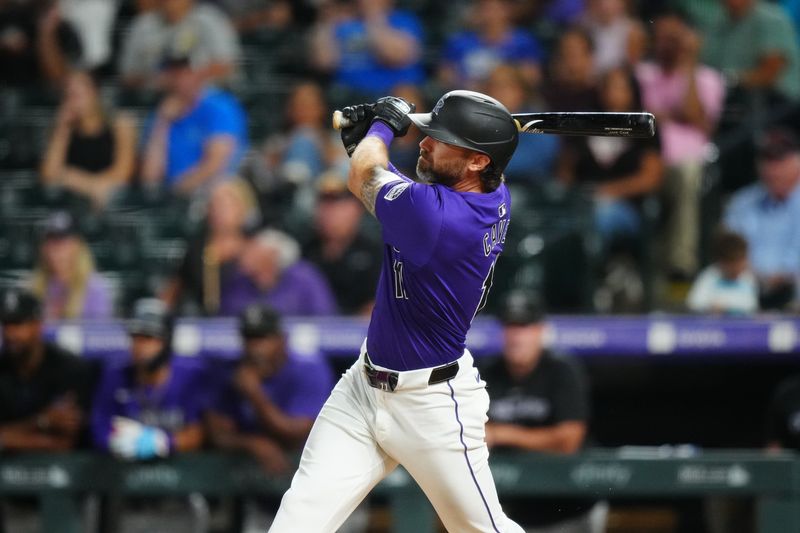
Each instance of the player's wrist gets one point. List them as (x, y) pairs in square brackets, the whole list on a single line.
[(382, 131)]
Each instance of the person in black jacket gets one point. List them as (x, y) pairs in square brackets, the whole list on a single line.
[(45, 391), (539, 403)]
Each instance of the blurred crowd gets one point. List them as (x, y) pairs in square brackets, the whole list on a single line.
[(152, 404), (182, 149)]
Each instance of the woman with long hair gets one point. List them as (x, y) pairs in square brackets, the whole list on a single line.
[(65, 278), (213, 255), (621, 172), (91, 150)]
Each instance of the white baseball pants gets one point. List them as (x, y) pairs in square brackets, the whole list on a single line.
[(362, 433)]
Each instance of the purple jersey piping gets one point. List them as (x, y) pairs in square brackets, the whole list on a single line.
[(466, 457)]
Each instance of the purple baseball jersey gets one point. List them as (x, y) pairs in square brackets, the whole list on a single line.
[(441, 248), (179, 402), (299, 389)]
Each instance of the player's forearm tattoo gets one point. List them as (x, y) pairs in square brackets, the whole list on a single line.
[(370, 188)]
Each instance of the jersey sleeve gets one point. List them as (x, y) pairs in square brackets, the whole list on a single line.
[(411, 216), (572, 395)]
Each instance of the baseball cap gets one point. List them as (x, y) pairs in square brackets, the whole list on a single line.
[(150, 318), (777, 143), (59, 225), (521, 308), (19, 305), (259, 321)]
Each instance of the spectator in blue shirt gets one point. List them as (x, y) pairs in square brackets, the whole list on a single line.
[(368, 46), (471, 55), (767, 215), (198, 135)]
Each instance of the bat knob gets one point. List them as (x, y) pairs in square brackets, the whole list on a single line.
[(340, 121)]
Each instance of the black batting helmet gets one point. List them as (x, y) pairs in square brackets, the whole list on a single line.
[(151, 318), (472, 120)]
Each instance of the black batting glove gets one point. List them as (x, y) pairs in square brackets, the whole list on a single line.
[(360, 116), (393, 111)]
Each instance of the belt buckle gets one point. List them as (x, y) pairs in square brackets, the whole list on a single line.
[(381, 379)]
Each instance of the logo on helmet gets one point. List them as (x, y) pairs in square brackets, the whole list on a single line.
[(438, 106)]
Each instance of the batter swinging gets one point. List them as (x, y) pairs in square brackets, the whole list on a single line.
[(413, 396)]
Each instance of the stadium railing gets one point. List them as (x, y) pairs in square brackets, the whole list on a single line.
[(774, 479)]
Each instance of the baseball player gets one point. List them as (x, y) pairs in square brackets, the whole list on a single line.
[(153, 405), (413, 396), (268, 402)]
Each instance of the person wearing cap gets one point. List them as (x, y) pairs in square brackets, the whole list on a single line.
[(65, 278), (199, 29), (767, 215), (539, 403), (152, 404), (148, 407), (349, 257), (45, 391), (198, 135), (268, 401)]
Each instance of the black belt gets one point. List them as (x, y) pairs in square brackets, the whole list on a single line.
[(386, 380)]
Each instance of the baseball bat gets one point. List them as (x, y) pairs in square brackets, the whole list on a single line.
[(595, 123)]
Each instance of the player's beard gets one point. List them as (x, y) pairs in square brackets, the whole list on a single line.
[(446, 173)]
